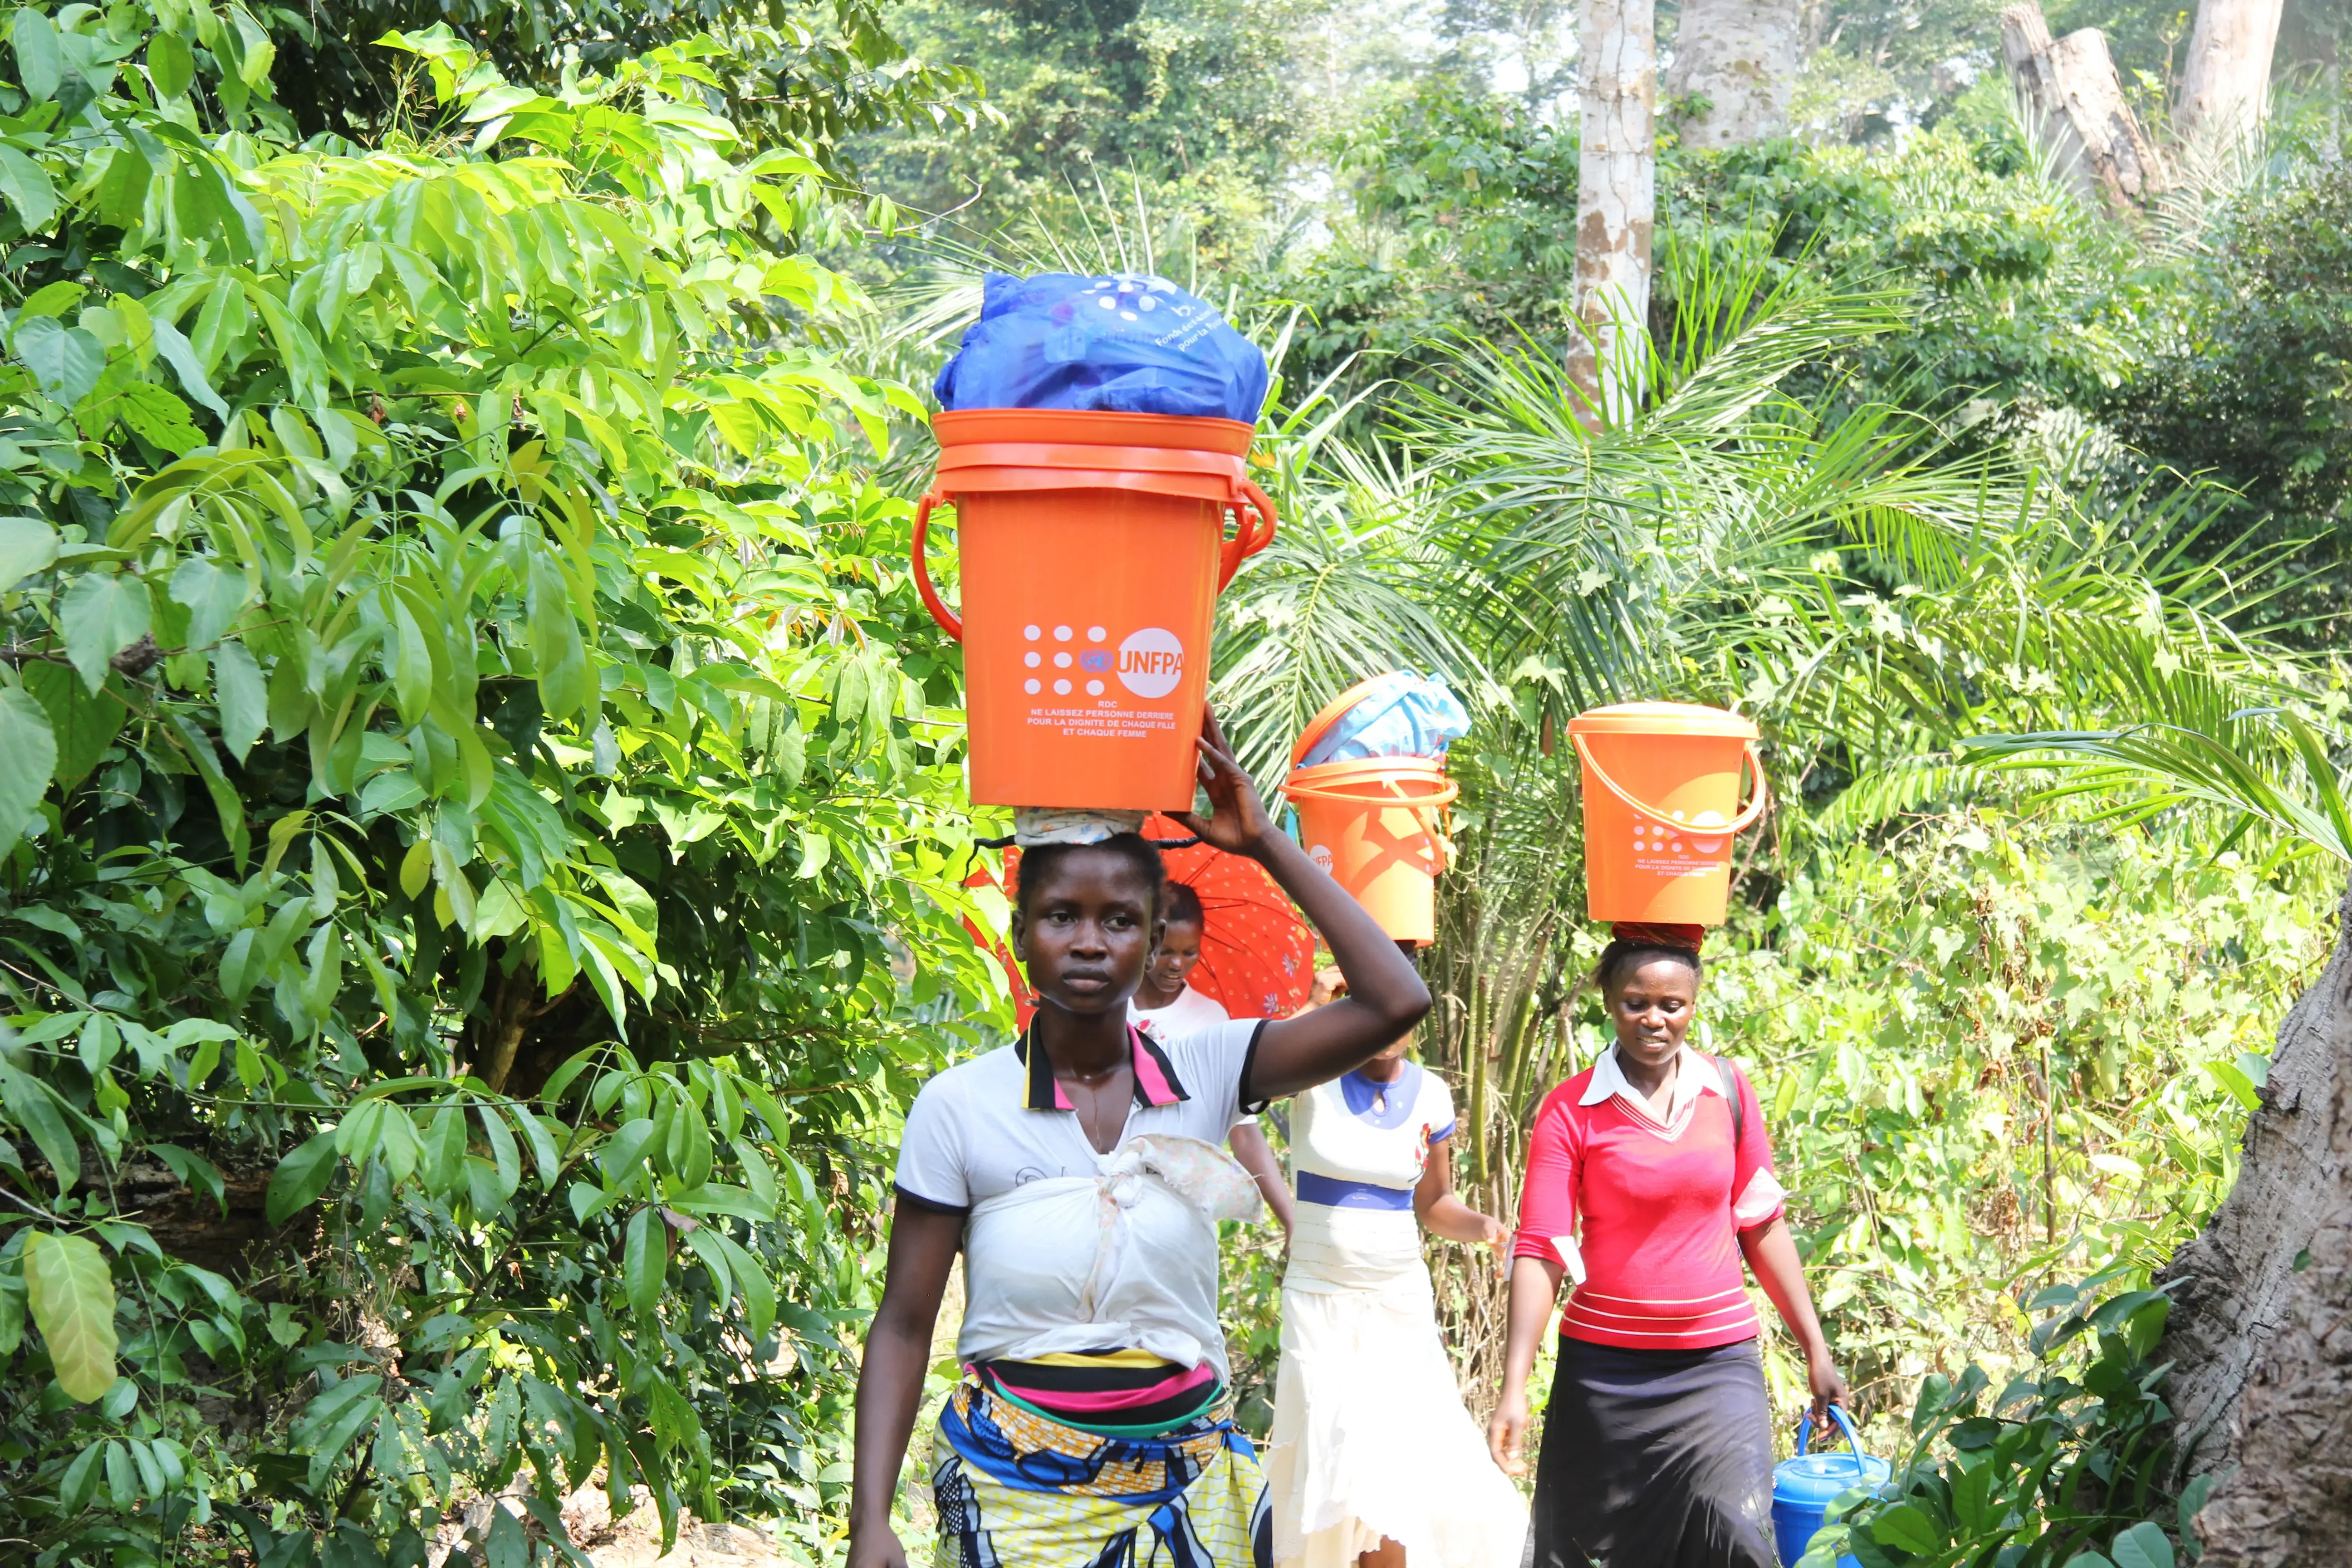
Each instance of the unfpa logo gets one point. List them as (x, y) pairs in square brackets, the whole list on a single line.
[(1150, 662)]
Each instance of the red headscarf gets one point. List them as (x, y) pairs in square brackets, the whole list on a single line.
[(1676, 938)]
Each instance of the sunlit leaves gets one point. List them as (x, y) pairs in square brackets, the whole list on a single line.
[(437, 689), (70, 1293)]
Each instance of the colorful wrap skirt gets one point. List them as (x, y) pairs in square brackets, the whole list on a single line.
[(1655, 1459), (1016, 1489)]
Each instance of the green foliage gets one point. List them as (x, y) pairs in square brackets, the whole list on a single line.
[(483, 821), (801, 75), (1198, 99), (2251, 373), (1988, 1047), (2067, 1465), (1461, 220)]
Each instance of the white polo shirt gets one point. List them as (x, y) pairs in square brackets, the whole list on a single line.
[(1067, 1250)]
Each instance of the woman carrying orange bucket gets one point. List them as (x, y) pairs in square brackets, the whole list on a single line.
[(1367, 778), (1649, 1185), (1373, 1461)]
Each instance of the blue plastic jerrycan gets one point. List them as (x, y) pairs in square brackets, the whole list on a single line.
[(1804, 1487)]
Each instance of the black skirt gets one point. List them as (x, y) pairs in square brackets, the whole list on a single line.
[(1655, 1459)]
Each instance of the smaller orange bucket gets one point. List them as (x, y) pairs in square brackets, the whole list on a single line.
[(1376, 824), (1661, 808), (1093, 548)]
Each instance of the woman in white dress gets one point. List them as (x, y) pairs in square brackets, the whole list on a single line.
[(1373, 1460)]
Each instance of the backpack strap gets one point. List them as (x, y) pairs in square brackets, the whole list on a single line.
[(1735, 1082)]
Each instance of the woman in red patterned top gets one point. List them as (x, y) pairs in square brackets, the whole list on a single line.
[(1649, 1178)]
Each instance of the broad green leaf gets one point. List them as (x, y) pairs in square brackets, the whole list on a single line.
[(175, 350), (445, 1151), (51, 299), (66, 361), (27, 185), (508, 1160), (416, 867), (2144, 1546), (1906, 1529), (751, 1279), (102, 613), (71, 1291), (158, 418), (556, 649), (83, 723), (170, 65), (243, 697), (28, 758), (121, 1477), (412, 663), (27, 545), (215, 597), (79, 1484), (40, 67), (645, 1261), (33, 1106), (505, 1545), (300, 1178)]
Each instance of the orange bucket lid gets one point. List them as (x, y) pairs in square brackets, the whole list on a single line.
[(1329, 717), (1662, 718)]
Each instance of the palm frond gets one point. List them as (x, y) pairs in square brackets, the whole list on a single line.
[(2268, 767)]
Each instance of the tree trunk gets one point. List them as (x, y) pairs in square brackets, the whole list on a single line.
[(1741, 56), (1616, 202), (2225, 81), (2263, 1373), (2075, 99)]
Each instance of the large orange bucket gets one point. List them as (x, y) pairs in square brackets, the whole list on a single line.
[(1375, 825), (1661, 808), (1092, 548)]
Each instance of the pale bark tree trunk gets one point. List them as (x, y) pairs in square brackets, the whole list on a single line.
[(1616, 200), (2262, 1332), (1741, 56), (2075, 100), (2225, 81)]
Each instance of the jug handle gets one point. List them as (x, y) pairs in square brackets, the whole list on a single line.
[(1753, 809), (1249, 536), (949, 621), (1853, 1440)]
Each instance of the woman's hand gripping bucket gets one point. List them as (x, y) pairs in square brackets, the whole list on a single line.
[(1804, 1488)]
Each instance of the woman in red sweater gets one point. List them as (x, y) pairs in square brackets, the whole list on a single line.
[(1649, 1178)]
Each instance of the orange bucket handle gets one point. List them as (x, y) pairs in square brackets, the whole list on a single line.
[(1425, 808), (1249, 537), (1446, 792), (1755, 807), (1253, 531), (949, 622)]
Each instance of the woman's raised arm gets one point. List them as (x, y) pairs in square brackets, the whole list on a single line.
[(1385, 997)]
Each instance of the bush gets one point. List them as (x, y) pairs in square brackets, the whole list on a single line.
[(476, 823), (2068, 1464)]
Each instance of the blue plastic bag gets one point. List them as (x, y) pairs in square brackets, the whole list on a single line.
[(1399, 715), (1121, 343)]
